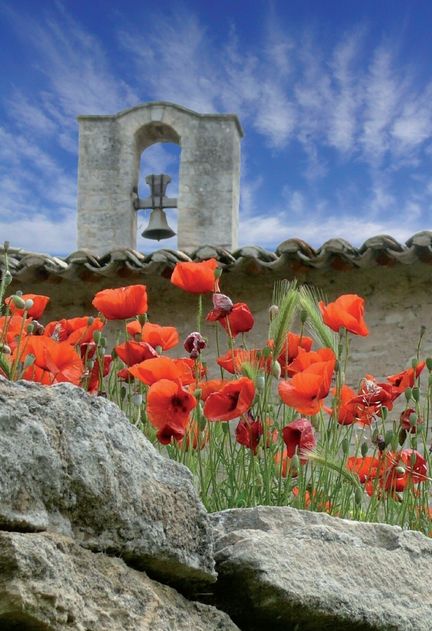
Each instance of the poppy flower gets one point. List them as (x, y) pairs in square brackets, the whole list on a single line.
[(365, 468), (222, 306), (406, 417), (54, 362), (168, 409), (375, 395), (405, 379), (248, 432), (194, 344), (195, 278), (39, 304), (292, 345), (305, 358), (74, 330), (232, 400), (306, 391), (392, 471), (347, 311), (94, 380), (234, 359), (240, 320), (121, 303), (151, 370), (299, 437), (351, 410), (12, 328), (154, 334), (208, 387), (134, 352)]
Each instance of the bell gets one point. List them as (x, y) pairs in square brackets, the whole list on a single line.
[(158, 227)]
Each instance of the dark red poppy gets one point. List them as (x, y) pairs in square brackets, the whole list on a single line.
[(121, 303), (231, 401), (248, 432), (36, 311), (196, 278), (347, 312), (194, 344), (165, 337), (168, 409), (299, 437), (134, 352), (222, 306), (240, 320)]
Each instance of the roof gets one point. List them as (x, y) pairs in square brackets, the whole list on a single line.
[(291, 256)]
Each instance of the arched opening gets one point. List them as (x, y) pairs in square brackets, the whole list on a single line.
[(159, 149)]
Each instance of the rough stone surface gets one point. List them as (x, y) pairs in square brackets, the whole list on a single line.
[(72, 463), (49, 583), (280, 567), (108, 172)]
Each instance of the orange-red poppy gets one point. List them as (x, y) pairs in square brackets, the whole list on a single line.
[(283, 463), (410, 421), (232, 400), (99, 370), (121, 303), (304, 359), (347, 311), (208, 387), (39, 304), (151, 370), (306, 391), (355, 409), (292, 345), (53, 361), (299, 437), (12, 328), (134, 352), (154, 334), (405, 379), (168, 409), (196, 278), (74, 330), (366, 468), (234, 359), (239, 320)]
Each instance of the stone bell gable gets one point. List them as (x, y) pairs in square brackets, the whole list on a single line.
[(110, 148)]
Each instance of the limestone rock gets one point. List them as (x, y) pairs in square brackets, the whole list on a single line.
[(280, 567), (73, 463), (49, 583)]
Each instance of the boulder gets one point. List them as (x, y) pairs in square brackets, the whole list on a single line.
[(281, 568), (49, 583), (72, 463)]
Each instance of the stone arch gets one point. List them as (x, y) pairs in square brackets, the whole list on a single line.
[(108, 171)]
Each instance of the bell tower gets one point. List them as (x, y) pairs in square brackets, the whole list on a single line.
[(108, 170)]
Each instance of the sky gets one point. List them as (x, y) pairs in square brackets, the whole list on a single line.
[(334, 98)]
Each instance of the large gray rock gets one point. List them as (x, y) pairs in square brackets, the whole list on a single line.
[(72, 463), (279, 567), (49, 583)]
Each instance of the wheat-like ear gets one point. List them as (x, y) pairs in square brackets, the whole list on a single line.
[(309, 298), (285, 297), (316, 456)]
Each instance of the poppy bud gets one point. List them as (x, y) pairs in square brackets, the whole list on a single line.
[(223, 304), (4, 348), (413, 419), (6, 246), (28, 304), (273, 312), (414, 362), (137, 399), (19, 292), (399, 469), (29, 360), (260, 382), (18, 301), (90, 320), (103, 341), (303, 316), (142, 318), (97, 336), (429, 363), (416, 394), (7, 278), (276, 370), (358, 496), (30, 328), (388, 436), (364, 449), (345, 445), (408, 394)]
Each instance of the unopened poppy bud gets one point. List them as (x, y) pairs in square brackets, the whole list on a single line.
[(19, 292), (429, 363), (345, 445), (399, 469), (413, 419), (260, 382), (295, 462), (225, 428), (97, 336), (4, 348), (358, 496), (388, 436), (7, 278), (266, 352), (28, 304), (303, 316), (414, 362), (29, 360), (18, 301), (430, 380), (137, 399), (30, 328), (408, 394), (158, 349), (413, 441), (364, 449), (273, 312), (222, 303), (197, 393), (103, 341), (422, 330), (90, 320), (142, 318), (276, 370), (416, 394), (6, 246)]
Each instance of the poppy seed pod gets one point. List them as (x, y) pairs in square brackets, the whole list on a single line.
[(194, 344), (18, 302)]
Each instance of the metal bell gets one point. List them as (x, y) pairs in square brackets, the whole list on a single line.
[(158, 227)]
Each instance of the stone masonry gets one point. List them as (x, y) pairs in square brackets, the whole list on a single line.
[(109, 159)]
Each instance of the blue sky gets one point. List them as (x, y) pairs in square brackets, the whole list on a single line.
[(334, 97)]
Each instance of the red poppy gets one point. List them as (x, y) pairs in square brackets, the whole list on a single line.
[(375, 395), (366, 468), (292, 345), (346, 311), (239, 319), (154, 334), (168, 409), (299, 437), (74, 330), (222, 306), (196, 278), (134, 352), (304, 359), (208, 387), (351, 410), (405, 379), (151, 370), (187, 366), (234, 359), (121, 303), (54, 361), (103, 367), (409, 420), (12, 328), (248, 432), (232, 400), (306, 391), (36, 311)]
